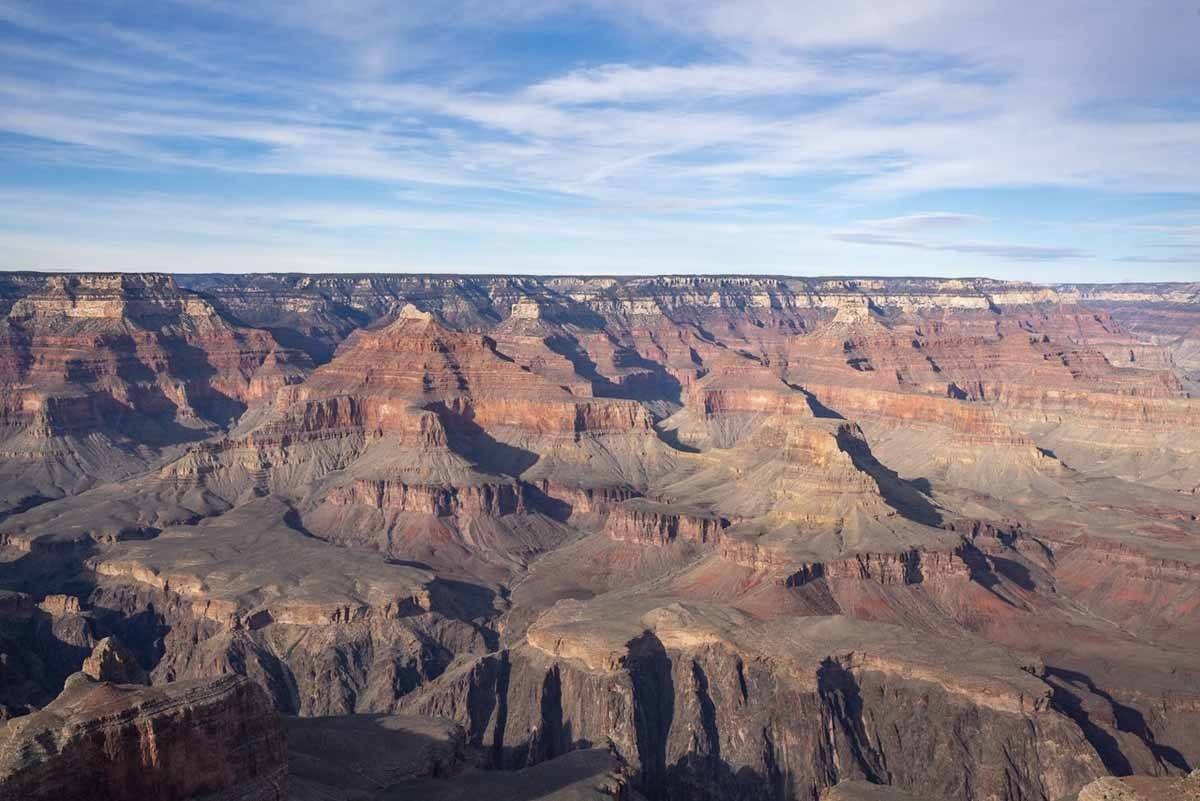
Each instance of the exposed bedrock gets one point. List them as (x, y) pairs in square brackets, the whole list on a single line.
[(219, 740), (906, 567), (1158, 595), (493, 499), (326, 629), (111, 661), (690, 537), (102, 376), (312, 660), (648, 523), (698, 717), (40, 645)]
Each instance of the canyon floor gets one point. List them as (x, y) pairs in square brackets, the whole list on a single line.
[(726, 537)]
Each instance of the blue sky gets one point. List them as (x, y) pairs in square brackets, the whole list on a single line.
[(1052, 141)]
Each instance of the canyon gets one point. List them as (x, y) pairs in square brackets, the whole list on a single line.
[(277, 536)]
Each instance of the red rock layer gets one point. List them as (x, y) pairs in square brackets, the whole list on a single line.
[(79, 349), (492, 500), (465, 378), (217, 739), (659, 525)]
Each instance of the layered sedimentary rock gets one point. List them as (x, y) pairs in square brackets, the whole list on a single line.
[(711, 704), (736, 537), (209, 739), (100, 373), (112, 662), (40, 645), (327, 630)]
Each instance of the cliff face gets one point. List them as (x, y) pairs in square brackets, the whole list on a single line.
[(212, 739), (326, 630), (134, 343), (709, 708), (693, 537), (99, 374)]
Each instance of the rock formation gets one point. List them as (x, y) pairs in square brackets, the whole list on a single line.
[(670, 537), (1142, 788), (215, 739), (111, 662), (102, 374)]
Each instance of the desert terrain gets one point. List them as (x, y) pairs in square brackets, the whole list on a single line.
[(382, 537)]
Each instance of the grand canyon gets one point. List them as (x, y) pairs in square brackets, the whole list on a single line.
[(384, 536)]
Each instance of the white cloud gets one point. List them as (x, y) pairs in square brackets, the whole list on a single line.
[(1004, 250), (755, 105), (925, 219), (622, 83)]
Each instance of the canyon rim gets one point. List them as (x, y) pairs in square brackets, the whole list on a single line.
[(599, 400), (275, 536)]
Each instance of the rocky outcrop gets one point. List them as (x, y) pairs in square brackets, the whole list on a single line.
[(484, 499), (466, 300), (586, 499), (41, 644), (658, 524), (344, 631), (706, 704), (211, 739), (907, 567), (1159, 594), (100, 375), (133, 344), (1178, 293), (112, 662), (1142, 788), (686, 536)]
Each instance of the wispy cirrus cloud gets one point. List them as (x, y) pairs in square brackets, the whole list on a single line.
[(925, 219), (725, 121), (624, 83), (1002, 250), (1193, 258)]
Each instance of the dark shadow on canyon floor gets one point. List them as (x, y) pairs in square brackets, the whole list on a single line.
[(1069, 686), (654, 710)]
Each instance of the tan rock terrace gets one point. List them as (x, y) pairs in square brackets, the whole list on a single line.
[(674, 537)]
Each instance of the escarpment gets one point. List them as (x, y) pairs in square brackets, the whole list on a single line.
[(663, 537), (333, 632), (217, 739), (713, 705), (659, 524), (486, 499), (102, 376)]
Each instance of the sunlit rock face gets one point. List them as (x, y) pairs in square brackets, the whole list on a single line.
[(102, 375), (217, 739), (665, 537)]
